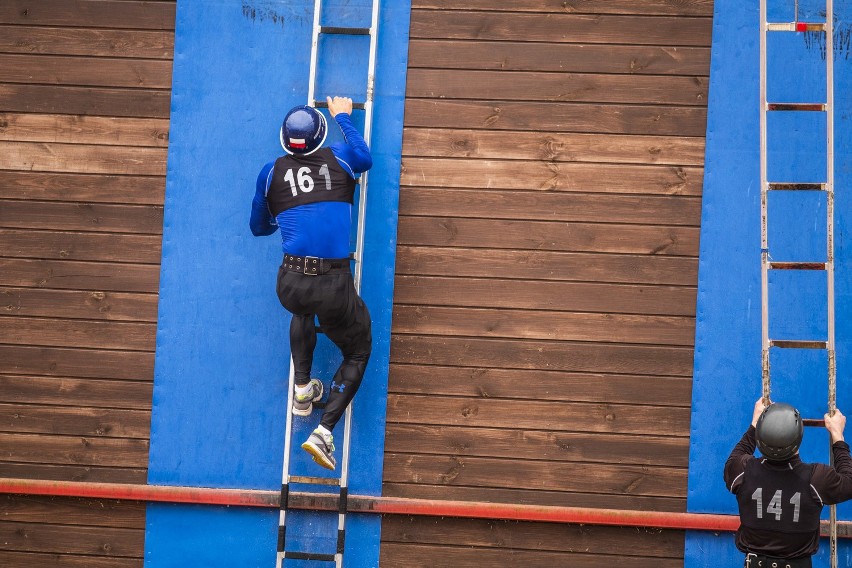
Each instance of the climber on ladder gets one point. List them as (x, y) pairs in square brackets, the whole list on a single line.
[(308, 194)]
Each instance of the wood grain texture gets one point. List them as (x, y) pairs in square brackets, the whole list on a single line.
[(532, 536), (57, 560), (54, 332), (94, 474), (86, 71), (114, 452), (95, 541), (65, 510), (82, 363), (90, 188), (546, 265), (556, 325), (72, 275), (561, 28), (81, 217), (63, 391), (646, 7), (546, 235), (100, 101), (82, 158), (495, 114), (76, 421), (558, 57), (543, 415), (543, 295), (553, 147), (71, 129), (62, 245), (119, 14), (86, 41), (495, 383), (78, 304)]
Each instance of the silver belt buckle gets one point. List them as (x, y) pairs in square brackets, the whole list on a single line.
[(311, 263)]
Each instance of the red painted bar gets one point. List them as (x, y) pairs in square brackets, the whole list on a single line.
[(382, 505)]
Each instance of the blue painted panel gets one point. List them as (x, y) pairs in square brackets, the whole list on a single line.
[(222, 343), (727, 378)]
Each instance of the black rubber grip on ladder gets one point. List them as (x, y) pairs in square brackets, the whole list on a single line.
[(810, 107), (324, 104), (337, 30), (344, 500), (797, 265), (796, 186), (341, 538), (309, 556), (285, 496), (282, 534), (798, 344)]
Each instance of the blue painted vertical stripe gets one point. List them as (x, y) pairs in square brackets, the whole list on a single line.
[(727, 378), (222, 343)]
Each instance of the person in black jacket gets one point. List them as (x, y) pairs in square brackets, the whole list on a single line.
[(780, 497)]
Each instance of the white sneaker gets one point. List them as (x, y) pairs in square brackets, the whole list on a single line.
[(321, 447), (303, 403)]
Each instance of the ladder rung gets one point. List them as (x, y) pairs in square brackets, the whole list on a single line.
[(798, 344), (813, 422), (324, 104), (777, 186), (797, 265), (314, 480), (344, 31), (811, 107), (795, 27), (310, 556)]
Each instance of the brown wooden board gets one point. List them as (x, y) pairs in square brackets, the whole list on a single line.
[(53, 332), (82, 158), (75, 421), (85, 71), (496, 383), (547, 235), (543, 415), (71, 450), (502, 292), (646, 7), (517, 444), (96, 541), (556, 325), (72, 275), (420, 490), (546, 265), (68, 510), (93, 474), (116, 306), (90, 13), (544, 475), (86, 41), (553, 146), (561, 117), (57, 245), (429, 556), (550, 355), (63, 391), (57, 560), (558, 178), (107, 130), (65, 362), (558, 57), (93, 188), (78, 216), (562, 28), (554, 87), (148, 103), (556, 537)]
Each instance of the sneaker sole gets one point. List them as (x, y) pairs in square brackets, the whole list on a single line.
[(310, 408), (318, 456)]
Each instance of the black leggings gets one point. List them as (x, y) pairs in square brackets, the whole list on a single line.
[(344, 319)]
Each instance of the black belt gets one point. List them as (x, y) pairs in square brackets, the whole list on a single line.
[(753, 560), (312, 265)]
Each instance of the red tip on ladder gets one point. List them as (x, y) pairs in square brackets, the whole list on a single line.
[(801, 27)]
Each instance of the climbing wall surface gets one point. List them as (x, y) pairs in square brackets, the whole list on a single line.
[(727, 378), (222, 344)]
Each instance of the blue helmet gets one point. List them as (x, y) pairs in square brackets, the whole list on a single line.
[(303, 131)]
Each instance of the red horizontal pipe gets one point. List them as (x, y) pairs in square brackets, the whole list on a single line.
[(381, 505)]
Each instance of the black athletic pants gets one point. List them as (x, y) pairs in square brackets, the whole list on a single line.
[(344, 319)]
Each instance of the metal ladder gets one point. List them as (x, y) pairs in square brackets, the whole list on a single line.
[(358, 255), (827, 186)]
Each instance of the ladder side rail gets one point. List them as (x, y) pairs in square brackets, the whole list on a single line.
[(315, 30), (764, 237), (285, 472)]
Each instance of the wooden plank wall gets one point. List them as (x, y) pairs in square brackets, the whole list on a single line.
[(84, 118), (546, 274)]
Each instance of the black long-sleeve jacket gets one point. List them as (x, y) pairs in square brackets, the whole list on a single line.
[(780, 502)]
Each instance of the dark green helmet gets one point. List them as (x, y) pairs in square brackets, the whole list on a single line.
[(779, 431)]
